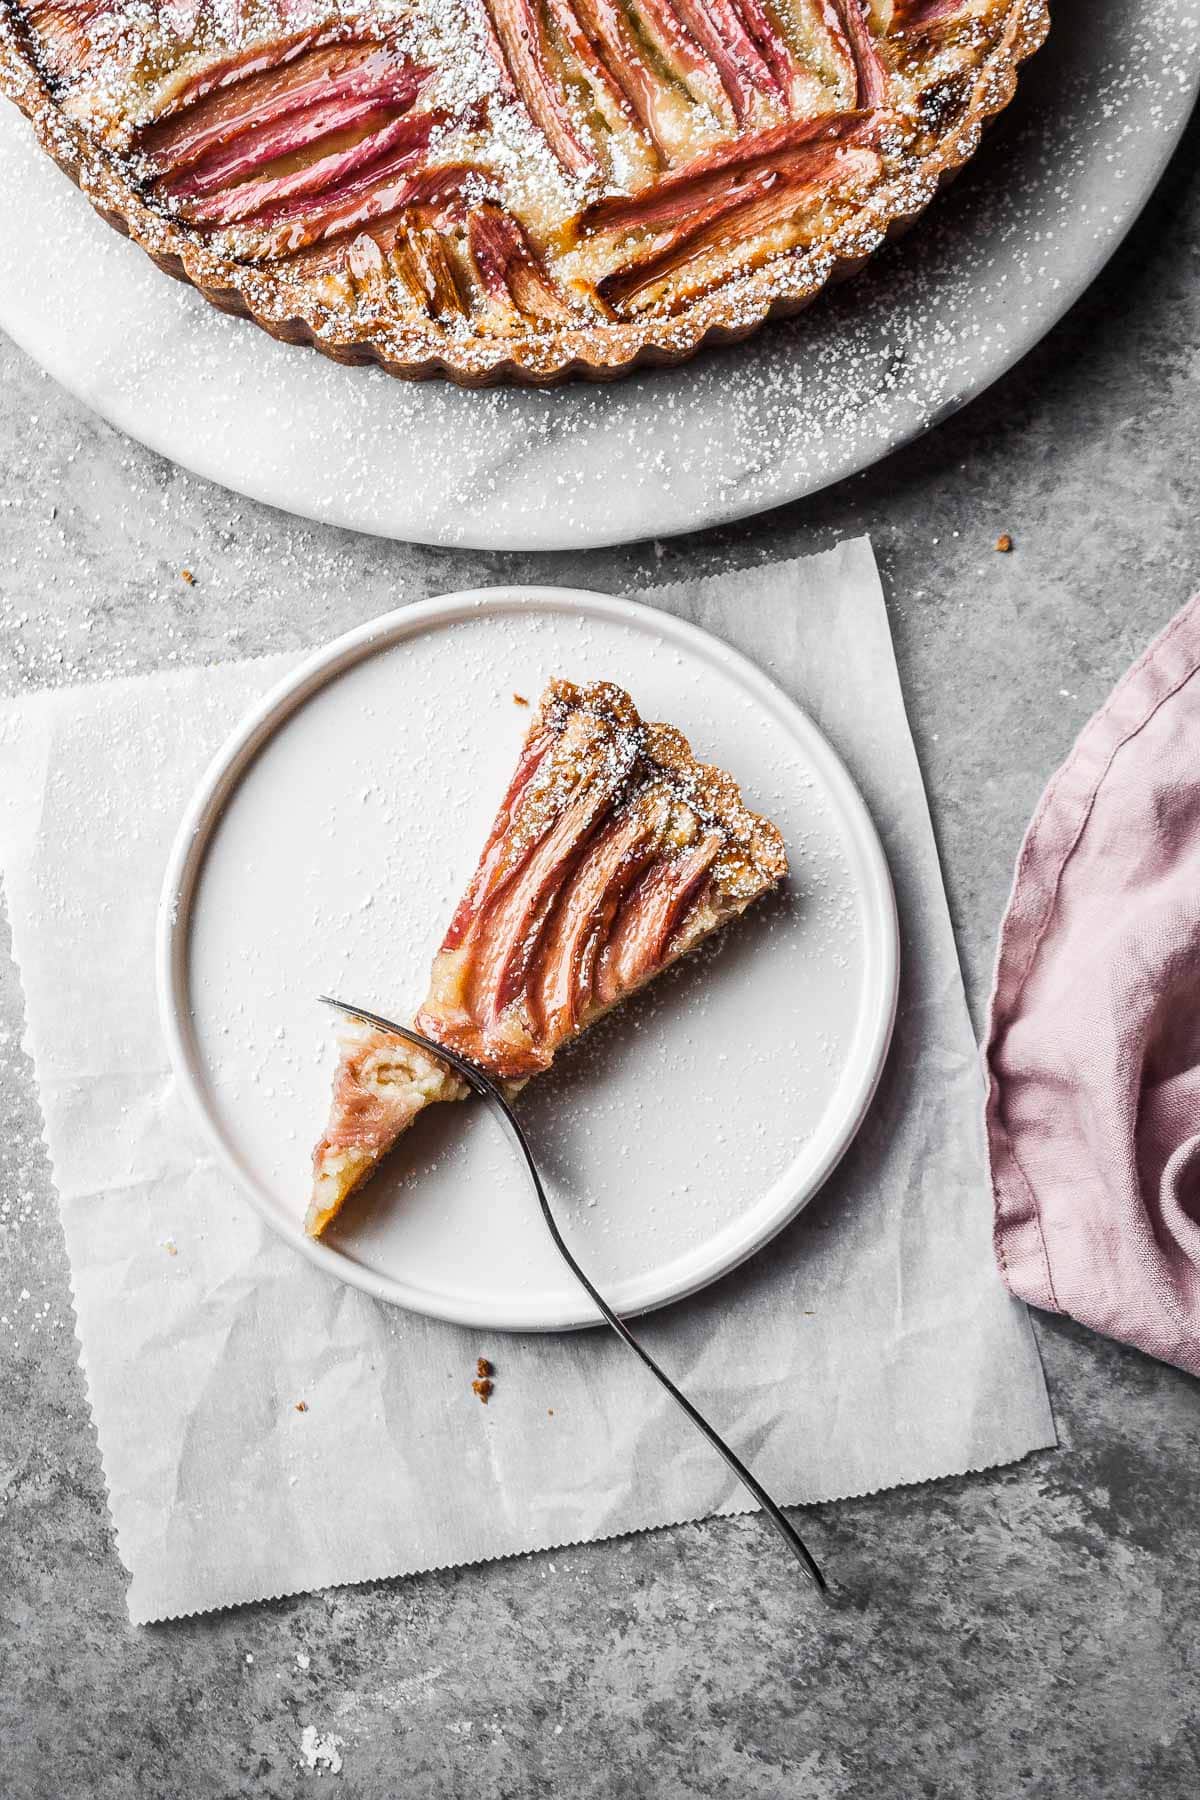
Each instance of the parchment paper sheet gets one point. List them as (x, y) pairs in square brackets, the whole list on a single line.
[(871, 1344)]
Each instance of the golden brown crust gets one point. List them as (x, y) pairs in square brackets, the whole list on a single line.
[(529, 350), (752, 857)]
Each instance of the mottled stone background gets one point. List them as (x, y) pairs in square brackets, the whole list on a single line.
[(1031, 1632)]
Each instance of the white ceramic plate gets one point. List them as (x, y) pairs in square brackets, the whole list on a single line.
[(324, 852), (997, 262)]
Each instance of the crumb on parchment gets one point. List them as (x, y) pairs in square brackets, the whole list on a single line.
[(186, 575), (520, 700), (1004, 543), (483, 1385)]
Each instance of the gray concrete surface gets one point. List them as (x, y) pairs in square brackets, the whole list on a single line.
[(1025, 1633)]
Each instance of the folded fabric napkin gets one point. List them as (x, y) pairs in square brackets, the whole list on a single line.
[(1094, 1044)]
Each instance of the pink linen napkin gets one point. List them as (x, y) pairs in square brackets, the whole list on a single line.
[(1093, 1052)]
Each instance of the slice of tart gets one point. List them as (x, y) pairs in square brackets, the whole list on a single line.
[(614, 853)]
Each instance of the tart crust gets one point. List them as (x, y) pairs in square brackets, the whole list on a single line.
[(542, 350), (615, 852)]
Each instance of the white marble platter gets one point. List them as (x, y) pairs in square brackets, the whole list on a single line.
[(938, 318)]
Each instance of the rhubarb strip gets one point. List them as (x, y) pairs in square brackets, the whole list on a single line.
[(518, 28), (434, 271), (509, 268), (268, 199), (66, 26), (378, 193), (923, 15), (506, 944), (340, 73), (607, 24), (251, 152), (585, 913), (640, 940), (720, 32), (850, 29), (583, 44), (766, 199), (243, 65), (770, 40), (505, 848), (677, 196), (683, 56)]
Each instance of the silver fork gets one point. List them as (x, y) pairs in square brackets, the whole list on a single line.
[(482, 1085)]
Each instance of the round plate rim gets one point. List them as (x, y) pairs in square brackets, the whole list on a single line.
[(272, 712)]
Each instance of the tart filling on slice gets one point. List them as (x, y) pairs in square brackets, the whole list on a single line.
[(614, 853)]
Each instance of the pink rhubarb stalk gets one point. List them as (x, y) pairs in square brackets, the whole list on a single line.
[(262, 199), (518, 28), (677, 196), (381, 191), (848, 25), (642, 935), (324, 77), (509, 267), (767, 198), (718, 28), (295, 132)]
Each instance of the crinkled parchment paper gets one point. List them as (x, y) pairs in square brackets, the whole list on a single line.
[(870, 1344)]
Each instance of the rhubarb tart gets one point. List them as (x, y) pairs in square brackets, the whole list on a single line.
[(518, 189), (614, 853)]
